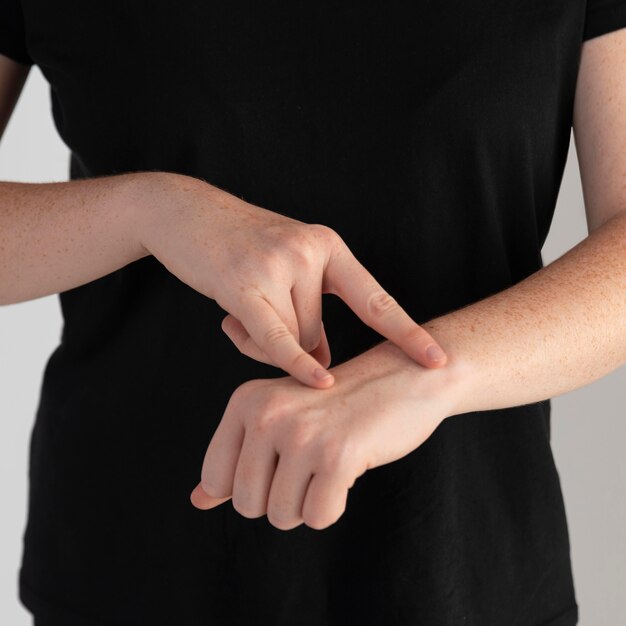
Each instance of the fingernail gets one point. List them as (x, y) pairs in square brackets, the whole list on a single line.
[(321, 374), (435, 353)]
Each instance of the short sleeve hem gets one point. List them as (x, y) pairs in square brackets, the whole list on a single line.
[(605, 19)]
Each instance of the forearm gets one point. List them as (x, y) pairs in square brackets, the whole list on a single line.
[(59, 235), (557, 330)]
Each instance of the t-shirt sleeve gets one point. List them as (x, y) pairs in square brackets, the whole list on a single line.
[(604, 16), (12, 32)]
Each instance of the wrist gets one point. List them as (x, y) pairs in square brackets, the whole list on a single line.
[(447, 388), (153, 201), (449, 385)]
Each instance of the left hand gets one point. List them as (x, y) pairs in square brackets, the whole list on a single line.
[(292, 452)]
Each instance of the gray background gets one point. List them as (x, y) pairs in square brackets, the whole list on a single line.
[(589, 424)]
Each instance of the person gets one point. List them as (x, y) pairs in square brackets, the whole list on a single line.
[(229, 163)]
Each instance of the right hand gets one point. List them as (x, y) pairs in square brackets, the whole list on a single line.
[(268, 271)]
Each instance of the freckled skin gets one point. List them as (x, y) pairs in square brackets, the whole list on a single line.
[(58, 235), (555, 331), (292, 452), (266, 270), (559, 329)]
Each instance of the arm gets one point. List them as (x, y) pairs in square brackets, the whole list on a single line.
[(55, 236), (59, 235), (557, 330), (564, 326)]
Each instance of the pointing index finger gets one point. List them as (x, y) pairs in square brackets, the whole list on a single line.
[(347, 278)]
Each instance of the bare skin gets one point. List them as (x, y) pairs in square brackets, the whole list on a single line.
[(569, 328), (292, 453), (266, 270)]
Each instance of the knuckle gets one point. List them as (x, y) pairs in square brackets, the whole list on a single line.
[(276, 401), (326, 233), (381, 303), (272, 262), (269, 410), (212, 488), (301, 436), (297, 358), (275, 335), (303, 247), (245, 391), (264, 422), (337, 453)]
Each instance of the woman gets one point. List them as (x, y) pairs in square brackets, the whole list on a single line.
[(240, 157)]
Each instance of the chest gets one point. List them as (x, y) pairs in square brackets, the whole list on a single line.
[(493, 73), (364, 47)]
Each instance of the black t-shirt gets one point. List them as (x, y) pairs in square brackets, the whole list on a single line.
[(432, 137)]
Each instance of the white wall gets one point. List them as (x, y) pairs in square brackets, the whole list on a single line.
[(30, 150), (589, 433), (589, 424)]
